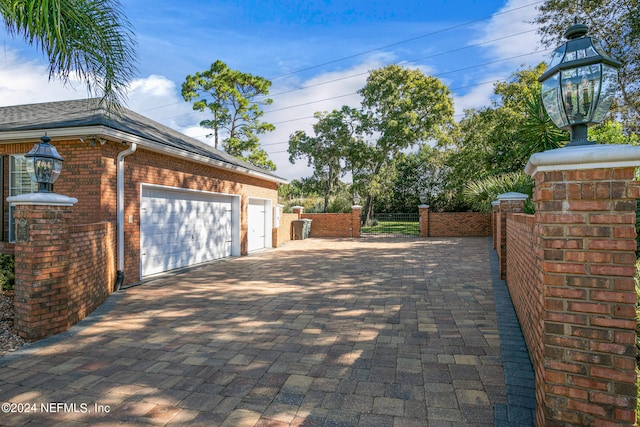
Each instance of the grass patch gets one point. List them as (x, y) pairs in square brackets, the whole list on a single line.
[(410, 228)]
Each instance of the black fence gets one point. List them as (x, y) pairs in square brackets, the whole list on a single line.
[(392, 225)]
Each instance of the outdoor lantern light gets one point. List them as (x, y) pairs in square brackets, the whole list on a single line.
[(356, 198), (580, 84), (423, 196), (44, 164)]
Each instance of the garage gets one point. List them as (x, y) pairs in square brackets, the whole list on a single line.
[(259, 220), (181, 227)]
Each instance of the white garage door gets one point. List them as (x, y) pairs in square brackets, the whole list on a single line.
[(259, 233), (181, 228)]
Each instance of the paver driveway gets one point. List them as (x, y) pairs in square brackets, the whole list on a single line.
[(369, 332)]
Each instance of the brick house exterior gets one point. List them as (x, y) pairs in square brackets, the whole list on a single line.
[(153, 159)]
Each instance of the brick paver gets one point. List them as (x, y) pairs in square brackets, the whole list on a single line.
[(320, 332)]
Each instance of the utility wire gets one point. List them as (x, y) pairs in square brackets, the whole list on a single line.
[(388, 46), (435, 75), (464, 24), (401, 62)]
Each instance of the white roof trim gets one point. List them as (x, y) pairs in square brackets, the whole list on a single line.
[(117, 135)]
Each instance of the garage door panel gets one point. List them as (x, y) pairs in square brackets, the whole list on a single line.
[(181, 228)]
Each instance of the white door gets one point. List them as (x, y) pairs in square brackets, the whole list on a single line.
[(257, 227), (181, 228)]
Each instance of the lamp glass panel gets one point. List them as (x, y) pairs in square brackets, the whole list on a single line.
[(29, 166), (552, 100), (43, 169), (580, 87), (57, 168), (607, 92), (558, 54)]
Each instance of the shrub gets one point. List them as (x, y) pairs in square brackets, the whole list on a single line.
[(6, 272)]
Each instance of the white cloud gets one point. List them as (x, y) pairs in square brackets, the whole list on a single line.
[(503, 28), (26, 82), (479, 96)]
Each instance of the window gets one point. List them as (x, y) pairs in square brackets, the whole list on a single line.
[(19, 183)]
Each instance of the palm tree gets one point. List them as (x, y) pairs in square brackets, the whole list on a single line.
[(538, 131), (89, 38)]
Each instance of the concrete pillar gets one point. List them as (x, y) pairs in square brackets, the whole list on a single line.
[(585, 200), (424, 220)]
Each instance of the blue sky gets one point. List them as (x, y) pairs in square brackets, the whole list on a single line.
[(316, 53)]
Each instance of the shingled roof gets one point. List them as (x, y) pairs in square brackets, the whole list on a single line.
[(88, 112)]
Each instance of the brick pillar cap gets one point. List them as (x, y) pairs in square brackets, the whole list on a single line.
[(597, 156), (512, 195), (423, 206), (45, 199), (356, 207)]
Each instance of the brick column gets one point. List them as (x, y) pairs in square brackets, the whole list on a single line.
[(424, 220), (297, 210), (495, 211), (41, 264), (356, 218), (585, 201), (507, 203)]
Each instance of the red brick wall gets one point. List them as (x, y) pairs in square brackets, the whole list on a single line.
[(92, 267), (525, 286), (331, 224), (459, 224)]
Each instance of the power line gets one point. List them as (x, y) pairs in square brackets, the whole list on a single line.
[(435, 75), (395, 44), (402, 62), (406, 40)]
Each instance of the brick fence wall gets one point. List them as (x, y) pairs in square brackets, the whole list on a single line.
[(92, 255), (63, 272), (332, 224), (525, 286), (454, 224)]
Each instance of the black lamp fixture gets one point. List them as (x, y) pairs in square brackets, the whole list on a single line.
[(580, 84), (44, 164), (423, 196)]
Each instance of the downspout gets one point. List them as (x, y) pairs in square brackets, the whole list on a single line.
[(120, 212)]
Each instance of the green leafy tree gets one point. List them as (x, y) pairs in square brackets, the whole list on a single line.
[(616, 23), (91, 39), (402, 107), (416, 172), (334, 132), (234, 99), (611, 132)]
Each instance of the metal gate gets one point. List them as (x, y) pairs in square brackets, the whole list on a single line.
[(392, 225)]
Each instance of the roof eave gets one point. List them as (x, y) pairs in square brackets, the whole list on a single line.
[(116, 135)]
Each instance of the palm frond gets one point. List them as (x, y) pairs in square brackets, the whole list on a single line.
[(91, 39)]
